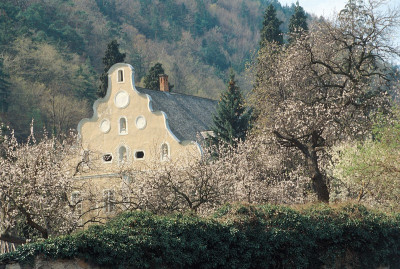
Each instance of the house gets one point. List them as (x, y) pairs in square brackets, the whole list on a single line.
[(137, 129), (133, 126)]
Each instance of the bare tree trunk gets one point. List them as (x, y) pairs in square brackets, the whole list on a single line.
[(310, 154), (317, 178)]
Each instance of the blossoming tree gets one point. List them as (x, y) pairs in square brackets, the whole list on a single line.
[(326, 86), (35, 186)]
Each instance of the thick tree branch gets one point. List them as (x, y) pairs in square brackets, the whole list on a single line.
[(12, 239)]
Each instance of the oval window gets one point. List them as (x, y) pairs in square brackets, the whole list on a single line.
[(121, 99), (105, 126), (141, 122)]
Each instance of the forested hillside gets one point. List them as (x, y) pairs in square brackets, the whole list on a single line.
[(51, 51)]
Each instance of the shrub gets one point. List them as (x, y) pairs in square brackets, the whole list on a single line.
[(236, 236)]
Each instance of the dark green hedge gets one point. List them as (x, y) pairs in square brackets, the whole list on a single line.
[(237, 236)]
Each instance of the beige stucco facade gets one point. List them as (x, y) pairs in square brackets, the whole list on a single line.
[(125, 132)]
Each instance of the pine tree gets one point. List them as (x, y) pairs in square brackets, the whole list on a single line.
[(111, 57), (297, 23), (152, 81), (232, 119), (270, 31), (4, 89)]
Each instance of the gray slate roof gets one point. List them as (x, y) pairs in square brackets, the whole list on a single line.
[(187, 115)]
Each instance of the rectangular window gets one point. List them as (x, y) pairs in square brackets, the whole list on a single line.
[(123, 126), (164, 152), (76, 201), (109, 202), (120, 75)]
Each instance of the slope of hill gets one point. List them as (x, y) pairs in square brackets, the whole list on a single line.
[(52, 50)]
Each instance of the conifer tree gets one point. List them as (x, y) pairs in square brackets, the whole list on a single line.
[(270, 31), (297, 23), (232, 119), (111, 57), (152, 81)]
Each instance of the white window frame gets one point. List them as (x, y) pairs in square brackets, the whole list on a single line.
[(107, 121), (139, 159), (76, 200), (119, 126), (112, 158), (123, 75), (144, 122), (162, 154), (127, 101), (127, 154), (109, 201)]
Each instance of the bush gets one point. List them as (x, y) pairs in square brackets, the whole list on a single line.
[(236, 236)]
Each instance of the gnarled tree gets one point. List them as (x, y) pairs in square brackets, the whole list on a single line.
[(35, 185), (325, 86)]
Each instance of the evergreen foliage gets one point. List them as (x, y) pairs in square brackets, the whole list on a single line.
[(297, 23), (152, 81), (203, 20), (270, 31), (237, 236), (59, 45), (86, 90), (4, 89), (212, 54), (232, 119), (108, 8), (111, 57)]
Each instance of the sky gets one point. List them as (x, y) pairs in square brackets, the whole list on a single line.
[(329, 8)]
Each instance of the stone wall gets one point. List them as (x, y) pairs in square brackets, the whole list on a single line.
[(54, 264)]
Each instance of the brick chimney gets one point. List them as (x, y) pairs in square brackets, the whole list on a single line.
[(164, 83)]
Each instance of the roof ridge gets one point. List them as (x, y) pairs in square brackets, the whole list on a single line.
[(176, 93)]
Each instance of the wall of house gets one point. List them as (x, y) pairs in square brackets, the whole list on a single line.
[(125, 132)]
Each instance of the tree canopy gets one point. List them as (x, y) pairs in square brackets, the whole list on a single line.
[(369, 170), (4, 88), (34, 188), (297, 23), (270, 31), (232, 118), (326, 86), (112, 56), (152, 81), (58, 48)]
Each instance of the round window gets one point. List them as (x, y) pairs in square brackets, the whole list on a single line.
[(105, 126), (121, 99), (140, 122)]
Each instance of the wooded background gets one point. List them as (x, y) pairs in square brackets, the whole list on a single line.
[(51, 51)]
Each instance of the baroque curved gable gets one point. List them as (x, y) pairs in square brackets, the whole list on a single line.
[(132, 124)]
